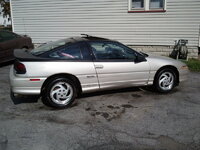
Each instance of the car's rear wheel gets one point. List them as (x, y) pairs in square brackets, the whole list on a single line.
[(165, 80), (59, 93)]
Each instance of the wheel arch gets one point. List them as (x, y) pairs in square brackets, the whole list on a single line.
[(65, 75), (169, 67)]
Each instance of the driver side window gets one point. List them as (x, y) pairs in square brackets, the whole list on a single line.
[(111, 50)]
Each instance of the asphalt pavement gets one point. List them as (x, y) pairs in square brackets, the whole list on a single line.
[(126, 119)]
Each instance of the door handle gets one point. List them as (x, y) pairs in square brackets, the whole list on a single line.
[(99, 66), (90, 76)]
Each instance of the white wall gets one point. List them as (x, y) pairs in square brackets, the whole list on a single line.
[(46, 20)]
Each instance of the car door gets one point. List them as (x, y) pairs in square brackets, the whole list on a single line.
[(78, 62), (7, 45), (116, 65)]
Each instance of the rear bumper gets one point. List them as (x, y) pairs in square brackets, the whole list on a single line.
[(23, 85)]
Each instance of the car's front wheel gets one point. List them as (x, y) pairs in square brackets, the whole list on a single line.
[(59, 93), (165, 80)]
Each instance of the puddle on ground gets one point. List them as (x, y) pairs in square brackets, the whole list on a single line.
[(87, 109), (105, 115), (109, 112), (113, 107), (136, 95), (127, 106)]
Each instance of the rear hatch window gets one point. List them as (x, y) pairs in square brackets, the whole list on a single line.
[(47, 47)]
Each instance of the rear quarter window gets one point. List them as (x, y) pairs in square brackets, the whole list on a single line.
[(68, 53)]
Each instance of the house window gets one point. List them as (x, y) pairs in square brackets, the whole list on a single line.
[(147, 5), (137, 4), (156, 4)]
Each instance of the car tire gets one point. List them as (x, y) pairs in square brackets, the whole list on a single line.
[(165, 80), (59, 93)]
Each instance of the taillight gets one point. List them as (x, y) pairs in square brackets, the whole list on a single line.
[(19, 68)]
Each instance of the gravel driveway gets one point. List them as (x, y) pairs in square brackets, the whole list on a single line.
[(128, 119)]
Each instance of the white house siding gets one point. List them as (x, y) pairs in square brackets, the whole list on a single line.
[(48, 20)]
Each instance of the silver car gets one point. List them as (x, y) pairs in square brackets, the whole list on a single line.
[(61, 70)]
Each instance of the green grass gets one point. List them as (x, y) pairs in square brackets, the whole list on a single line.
[(193, 64)]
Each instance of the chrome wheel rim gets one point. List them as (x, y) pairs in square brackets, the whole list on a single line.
[(166, 81), (61, 93)]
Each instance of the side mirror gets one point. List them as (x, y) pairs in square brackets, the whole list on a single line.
[(140, 58)]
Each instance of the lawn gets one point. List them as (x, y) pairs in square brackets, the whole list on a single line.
[(193, 64)]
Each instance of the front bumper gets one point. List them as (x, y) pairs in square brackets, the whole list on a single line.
[(20, 84)]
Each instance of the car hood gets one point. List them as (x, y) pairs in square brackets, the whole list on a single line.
[(157, 62)]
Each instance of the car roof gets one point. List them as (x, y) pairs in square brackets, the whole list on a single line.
[(85, 37)]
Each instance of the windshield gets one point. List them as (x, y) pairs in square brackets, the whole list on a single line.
[(47, 47)]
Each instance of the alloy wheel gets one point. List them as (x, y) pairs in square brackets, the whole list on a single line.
[(166, 81), (61, 93)]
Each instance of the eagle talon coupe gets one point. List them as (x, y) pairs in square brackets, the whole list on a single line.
[(61, 70)]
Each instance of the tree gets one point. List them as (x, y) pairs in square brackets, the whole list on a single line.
[(5, 5)]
